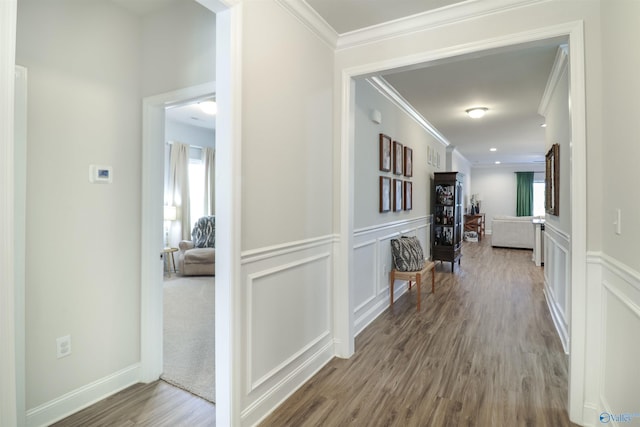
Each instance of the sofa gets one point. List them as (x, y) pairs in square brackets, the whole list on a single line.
[(512, 232), (197, 257)]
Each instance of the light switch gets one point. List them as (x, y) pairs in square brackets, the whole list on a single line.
[(617, 221)]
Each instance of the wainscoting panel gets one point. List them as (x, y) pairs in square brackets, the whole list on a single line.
[(287, 322), (612, 377), (557, 280), (373, 263)]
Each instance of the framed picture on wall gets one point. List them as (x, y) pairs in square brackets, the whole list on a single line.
[(385, 153), (408, 162), (385, 194), (398, 166), (428, 154), (438, 162), (552, 181), (397, 195), (408, 195)]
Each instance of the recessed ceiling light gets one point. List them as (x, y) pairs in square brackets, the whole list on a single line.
[(493, 149), (209, 107), (544, 125), (477, 112), (498, 162)]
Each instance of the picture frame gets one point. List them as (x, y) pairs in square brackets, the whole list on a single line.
[(408, 195), (385, 153), (385, 194), (438, 162), (552, 180), (397, 195), (398, 166), (408, 162), (429, 155)]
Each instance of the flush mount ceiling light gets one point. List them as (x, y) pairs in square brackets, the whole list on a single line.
[(493, 149), (477, 112), (208, 107)]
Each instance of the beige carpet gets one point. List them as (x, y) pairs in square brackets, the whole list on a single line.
[(189, 340)]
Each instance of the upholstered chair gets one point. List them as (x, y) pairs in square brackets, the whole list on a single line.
[(197, 257)]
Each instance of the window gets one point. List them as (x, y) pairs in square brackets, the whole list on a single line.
[(196, 189), (538, 199)]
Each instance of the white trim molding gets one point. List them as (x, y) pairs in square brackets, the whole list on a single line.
[(557, 281), (559, 68), (426, 20), (389, 92), (85, 396), (373, 261), (312, 20), (613, 295), (280, 356), (8, 392)]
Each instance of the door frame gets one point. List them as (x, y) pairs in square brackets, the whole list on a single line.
[(228, 214), (574, 33)]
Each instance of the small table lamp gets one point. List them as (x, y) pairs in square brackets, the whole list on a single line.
[(170, 214)]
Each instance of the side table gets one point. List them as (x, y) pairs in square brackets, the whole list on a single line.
[(170, 252)]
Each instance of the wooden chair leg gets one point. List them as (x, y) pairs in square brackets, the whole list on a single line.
[(393, 279), (418, 283)]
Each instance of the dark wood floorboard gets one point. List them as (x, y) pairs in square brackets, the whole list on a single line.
[(483, 351), (153, 405)]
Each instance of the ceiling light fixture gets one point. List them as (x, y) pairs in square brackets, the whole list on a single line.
[(208, 107), (477, 112), (544, 125), (493, 149), (498, 162)]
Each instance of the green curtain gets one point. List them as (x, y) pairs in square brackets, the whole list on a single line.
[(524, 196)]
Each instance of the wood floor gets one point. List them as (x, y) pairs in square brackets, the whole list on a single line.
[(482, 352), (150, 405)]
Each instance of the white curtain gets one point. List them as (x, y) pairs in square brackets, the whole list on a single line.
[(179, 186), (209, 155)]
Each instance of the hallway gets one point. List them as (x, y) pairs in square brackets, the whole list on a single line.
[(482, 352)]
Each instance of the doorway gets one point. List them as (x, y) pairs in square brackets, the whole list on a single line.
[(189, 283), (574, 34)]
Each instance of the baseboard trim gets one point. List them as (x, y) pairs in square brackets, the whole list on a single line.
[(262, 407), (72, 402), (557, 317)]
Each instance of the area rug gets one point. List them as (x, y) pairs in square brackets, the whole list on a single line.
[(189, 334)]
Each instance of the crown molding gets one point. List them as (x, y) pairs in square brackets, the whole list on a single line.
[(312, 20), (558, 69), (380, 84), (433, 18)]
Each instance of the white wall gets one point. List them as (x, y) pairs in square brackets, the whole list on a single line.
[(192, 135), (557, 234), (86, 62), (497, 188), (178, 48), (285, 314), (287, 90), (83, 240), (373, 230), (613, 289), (400, 127), (459, 163)]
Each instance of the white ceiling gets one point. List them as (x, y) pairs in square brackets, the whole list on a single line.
[(192, 115), (350, 15), (510, 84)]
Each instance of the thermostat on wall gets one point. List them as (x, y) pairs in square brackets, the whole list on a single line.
[(100, 174)]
